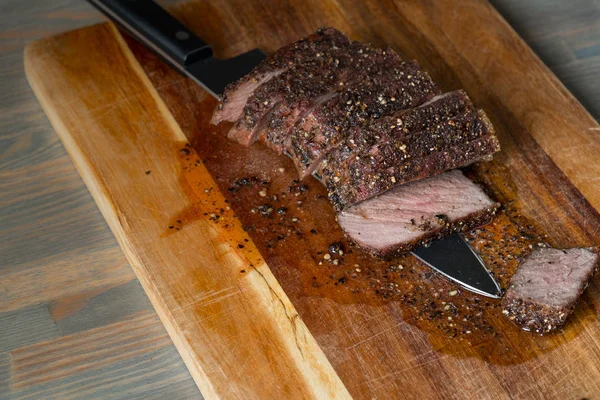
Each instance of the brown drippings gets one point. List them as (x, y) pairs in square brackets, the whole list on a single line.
[(293, 227), (206, 203)]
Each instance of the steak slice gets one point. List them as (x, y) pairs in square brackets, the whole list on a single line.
[(413, 145), (441, 118), (273, 107), (307, 80), (546, 286), (283, 118), (403, 123), (414, 214), (361, 62), (345, 193), (328, 125), (236, 94)]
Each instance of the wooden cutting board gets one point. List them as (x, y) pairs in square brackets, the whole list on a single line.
[(241, 314)]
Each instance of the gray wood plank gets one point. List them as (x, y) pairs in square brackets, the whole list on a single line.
[(99, 309), (129, 359), (561, 32), (61, 275), (157, 375), (26, 326), (4, 375)]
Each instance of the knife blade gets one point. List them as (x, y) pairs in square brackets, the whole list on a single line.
[(183, 50), (456, 260)]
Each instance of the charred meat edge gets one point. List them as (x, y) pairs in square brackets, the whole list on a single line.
[(234, 98)]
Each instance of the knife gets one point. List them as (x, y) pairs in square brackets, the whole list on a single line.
[(456, 260), (177, 45), (186, 52)]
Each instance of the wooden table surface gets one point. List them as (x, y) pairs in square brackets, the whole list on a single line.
[(74, 321)]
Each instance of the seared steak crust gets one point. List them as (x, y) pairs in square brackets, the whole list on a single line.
[(307, 80), (328, 125), (236, 94), (394, 127), (353, 68), (364, 181), (405, 146), (445, 120)]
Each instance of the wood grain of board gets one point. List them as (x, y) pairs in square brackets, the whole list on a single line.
[(238, 332)]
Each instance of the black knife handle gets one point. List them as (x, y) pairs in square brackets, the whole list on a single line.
[(157, 29)]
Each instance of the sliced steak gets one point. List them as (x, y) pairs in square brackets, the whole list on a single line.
[(403, 123), (344, 194), (236, 94), (361, 62), (310, 79), (274, 107), (328, 125), (426, 144), (284, 116), (439, 119), (546, 286), (414, 214)]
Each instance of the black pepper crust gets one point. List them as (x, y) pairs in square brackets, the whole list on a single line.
[(356, 185), (467, 223), (328, 125), (436, 136), (295, 53), (440, 124), (306, 79), (423, 119), (536, 317), (352, 68)]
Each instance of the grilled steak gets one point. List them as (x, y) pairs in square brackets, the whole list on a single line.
[(308, 80), (365, 122), (403, 123), (316, 78), (328, 125), (414, 214), (446, 133), (546, 286), (359, 64), (234, 99)]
